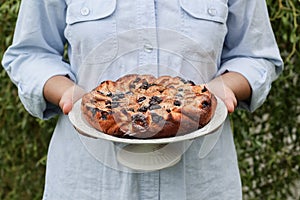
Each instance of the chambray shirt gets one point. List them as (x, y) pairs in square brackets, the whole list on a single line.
[(197, 39)]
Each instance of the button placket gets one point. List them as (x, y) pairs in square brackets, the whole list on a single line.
[(148, 47), (147, 35)]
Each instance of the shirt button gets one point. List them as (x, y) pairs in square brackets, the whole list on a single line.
[(85, 11), (212, 11), (148, 48)]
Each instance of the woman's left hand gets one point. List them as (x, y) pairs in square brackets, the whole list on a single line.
[(230, 87)]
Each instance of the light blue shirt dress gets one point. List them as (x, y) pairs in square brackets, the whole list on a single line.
[(198, 39)]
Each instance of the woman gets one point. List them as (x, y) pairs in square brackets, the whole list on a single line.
[(243, 61)]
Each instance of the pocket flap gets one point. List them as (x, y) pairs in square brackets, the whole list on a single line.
[(208, 10), (79, 11)]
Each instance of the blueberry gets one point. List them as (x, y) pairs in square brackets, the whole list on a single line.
[(145, 85), (129, 93), (177, 103), (204, 89), (120, 95), (205, 104), (191, 82), (179, 95), (104, 115), (140, 120), (93, 110), (156, 118), (137, 80), (130, 109), (157, 99), (115, 98), (115, 104), (109, 94), (154, 107), (143, 109), (123, 110), (141, 99), (187, 81), (132, 86)]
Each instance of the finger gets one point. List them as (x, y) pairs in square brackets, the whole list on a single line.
[(230, 106), (230, 101), (69, 97), (67, 107)]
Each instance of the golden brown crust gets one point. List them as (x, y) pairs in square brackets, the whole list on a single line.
[(142, 106)]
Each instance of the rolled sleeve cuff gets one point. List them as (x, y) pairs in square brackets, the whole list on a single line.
[(31, 88), (260, 75)]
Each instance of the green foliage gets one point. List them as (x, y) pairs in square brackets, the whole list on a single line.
[(267, 140), (23, 139)]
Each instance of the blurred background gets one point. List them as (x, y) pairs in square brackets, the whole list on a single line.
[(267, 141)]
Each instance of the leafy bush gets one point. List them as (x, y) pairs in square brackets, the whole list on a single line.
[(267, 140), (23, 139)]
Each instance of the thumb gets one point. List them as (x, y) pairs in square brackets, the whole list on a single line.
[(70, 96), (67, 107)]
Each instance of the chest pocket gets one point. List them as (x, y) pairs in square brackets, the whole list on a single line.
[(205, 22), (89, 24), (210, 10)]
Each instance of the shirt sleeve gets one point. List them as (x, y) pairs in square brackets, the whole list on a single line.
[(250, 49), (37, 53)]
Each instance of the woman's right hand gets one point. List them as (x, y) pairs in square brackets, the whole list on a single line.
[(62, 91), (69, 97)]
